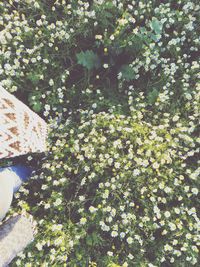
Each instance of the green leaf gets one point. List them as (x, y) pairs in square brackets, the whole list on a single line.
[(108, 14), (37, 107), (89, 240), (155, 37), (152, 96), (127, 72), (33, 77), (156, 26), (88, 59)]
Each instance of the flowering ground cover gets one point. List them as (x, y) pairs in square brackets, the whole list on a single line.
[(119, 84)]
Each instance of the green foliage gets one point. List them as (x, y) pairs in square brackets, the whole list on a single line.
[(156, 26), (127, 72), (152, 96), (118, 166), (34, 78), (88, 59), (118, 84)]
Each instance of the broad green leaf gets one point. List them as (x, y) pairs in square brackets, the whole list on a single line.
[(156, 26), (127, 72), (33, 77), (155, 37), (88, 59), (89, 240), (37, 107), (152, 96)]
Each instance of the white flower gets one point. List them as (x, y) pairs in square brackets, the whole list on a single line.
[(98, 37), (188, 236), (110, 253), (172, 226), (130, 256), (94, 105), (155, 165), (83, 181), (117, 165), (81, 198), (36, 5), (186, 188), (167, 214), (167, 189), (46, 61), (168, 247), (39, 246), (175, 242), (164, 232), (123, 21), (107, 184), (114, 233), (122, 234), (39, 22), (47, 206), (161, 185), (156, 209), (87, 168), (44, 187), (56, 227), (110, 161), (83, 221), (151, 265), (57, 202), (129, 240), (51, 82), (105, 194), (175, 118), (92, 209), (177, 210), (58, 241), (136, 172), (194, 191)]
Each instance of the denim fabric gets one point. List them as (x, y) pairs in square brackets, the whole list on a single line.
[(22, 174)]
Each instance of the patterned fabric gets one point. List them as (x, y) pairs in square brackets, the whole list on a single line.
[(21, 130)]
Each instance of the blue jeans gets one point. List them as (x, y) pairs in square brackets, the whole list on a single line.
[(11, 178)]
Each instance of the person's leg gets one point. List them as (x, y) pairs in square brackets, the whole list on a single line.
[(11, 179), (6, 192), (22, 174)]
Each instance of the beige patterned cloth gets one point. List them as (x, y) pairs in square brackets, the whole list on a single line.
[(15, 234), (21, 130)]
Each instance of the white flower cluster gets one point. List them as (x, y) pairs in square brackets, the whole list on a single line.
[(115, 190)]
